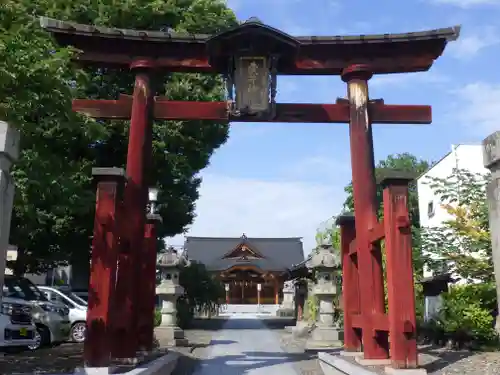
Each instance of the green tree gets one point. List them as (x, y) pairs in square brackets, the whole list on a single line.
[(462, 244), (53, 214), (202, 293), (410, 163), (330, 235)]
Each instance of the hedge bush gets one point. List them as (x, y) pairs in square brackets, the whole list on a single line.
[(466, 319)]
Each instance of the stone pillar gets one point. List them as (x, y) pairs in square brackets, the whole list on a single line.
[(491, 158), (169, 290), (9, 153), (325, 262), (433, 288)]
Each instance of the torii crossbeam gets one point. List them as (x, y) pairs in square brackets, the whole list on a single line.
[(164, 109)]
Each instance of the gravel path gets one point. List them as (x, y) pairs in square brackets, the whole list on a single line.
[(437, 361), (441, 361), (56, 360), (65, 358)]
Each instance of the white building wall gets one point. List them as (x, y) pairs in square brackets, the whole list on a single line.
[(432, 214)]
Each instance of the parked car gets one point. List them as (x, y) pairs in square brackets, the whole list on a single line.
[(52, 321), (83, 294), (17, 327), (77, 309)]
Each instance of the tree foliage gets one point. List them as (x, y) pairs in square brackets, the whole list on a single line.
[(53, 212), (329, 236), (462, 244), (202, 293)]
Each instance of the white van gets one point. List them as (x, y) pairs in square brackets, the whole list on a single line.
[(51, 320), (18, 332)]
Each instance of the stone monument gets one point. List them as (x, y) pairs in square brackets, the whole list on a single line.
[(287, 307), (169, 290), (9, 153), (325, 263), (491, 158)]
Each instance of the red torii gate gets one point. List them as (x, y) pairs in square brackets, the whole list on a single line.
[(354, 58)]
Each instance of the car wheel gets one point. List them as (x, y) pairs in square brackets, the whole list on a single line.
[(42, 337), (78, 332)]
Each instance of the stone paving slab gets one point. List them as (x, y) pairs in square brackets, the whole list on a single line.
[(245, 346)]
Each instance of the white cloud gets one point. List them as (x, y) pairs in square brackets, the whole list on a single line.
[(478, 106), (230, 206), (409, 79), (469, 45), (320, 167), (467, 3)]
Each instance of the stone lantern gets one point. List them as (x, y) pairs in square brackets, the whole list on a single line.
[(287, 307), (169, 290), (325, 263)]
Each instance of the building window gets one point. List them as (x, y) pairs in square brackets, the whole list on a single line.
[(430, 209)]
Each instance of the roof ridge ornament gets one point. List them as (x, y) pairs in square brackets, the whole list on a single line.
[(253, 19)]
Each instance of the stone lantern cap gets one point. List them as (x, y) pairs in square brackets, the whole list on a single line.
[(171, 258), (324, 256)]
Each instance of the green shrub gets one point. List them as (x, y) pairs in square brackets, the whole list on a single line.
[(157, 320), (467, 313), (185, 312), (311, 308), (202, 293)]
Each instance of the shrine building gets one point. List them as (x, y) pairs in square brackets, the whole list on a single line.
[(244, 265)]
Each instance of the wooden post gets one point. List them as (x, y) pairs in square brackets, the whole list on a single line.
[(135, 201), (147, 284), (100, 314), (350, 282), (365, 208), (400, 287), (242, 292), (276, 293)]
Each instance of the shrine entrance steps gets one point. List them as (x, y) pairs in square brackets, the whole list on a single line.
[(251, 310)]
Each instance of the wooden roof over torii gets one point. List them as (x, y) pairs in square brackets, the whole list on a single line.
[(300, 55)]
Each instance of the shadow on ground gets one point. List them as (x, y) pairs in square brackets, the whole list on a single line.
[(60, 359), (443, 357), (239, 364), (215, 324)]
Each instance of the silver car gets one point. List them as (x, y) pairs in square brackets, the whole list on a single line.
[(77, 309), (52, 321)]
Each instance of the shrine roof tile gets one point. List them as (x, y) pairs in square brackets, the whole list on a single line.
[(66, 27), (279, 253)]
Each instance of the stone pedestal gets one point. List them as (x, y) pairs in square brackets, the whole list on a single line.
[(9, 153), (169, 290), (491, 158), (325, 262), (433, 288)]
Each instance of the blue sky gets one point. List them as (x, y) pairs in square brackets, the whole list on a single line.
[(286, 179)]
